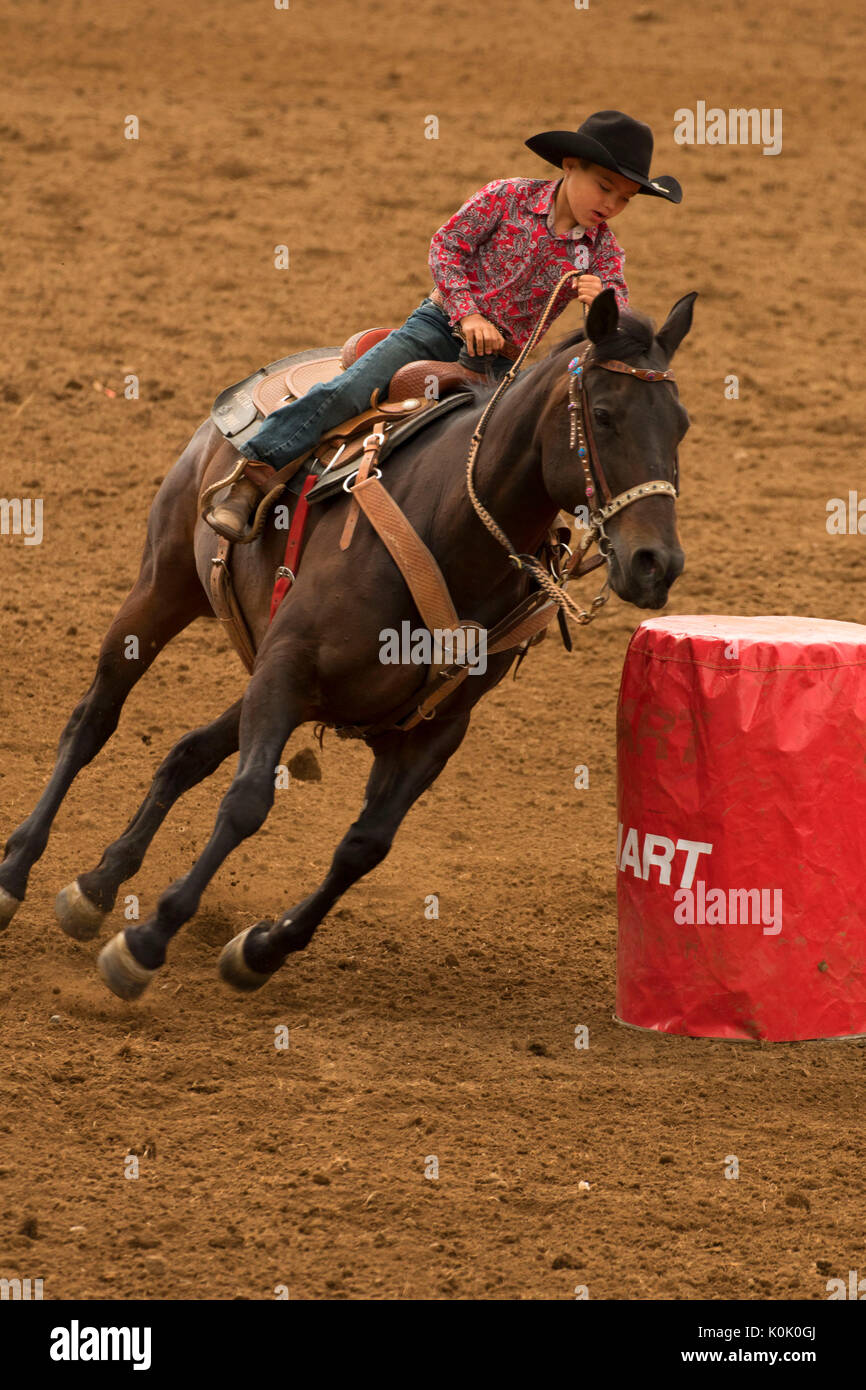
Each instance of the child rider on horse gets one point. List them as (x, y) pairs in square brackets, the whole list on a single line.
[(493, 263)]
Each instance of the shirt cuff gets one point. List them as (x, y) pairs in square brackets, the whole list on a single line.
[(457, 305)]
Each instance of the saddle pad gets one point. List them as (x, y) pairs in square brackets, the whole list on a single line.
[(332, 482)]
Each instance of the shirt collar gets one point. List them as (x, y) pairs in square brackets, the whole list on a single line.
[(545, 205)]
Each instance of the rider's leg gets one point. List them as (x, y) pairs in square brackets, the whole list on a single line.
[(296, 427)]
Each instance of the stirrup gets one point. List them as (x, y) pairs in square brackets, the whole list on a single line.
[(230, 510), (254, 528), (236, 537)]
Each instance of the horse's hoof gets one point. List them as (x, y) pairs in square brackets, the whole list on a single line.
[(234, 968), (8, 907), (121, 971), (77, 915)]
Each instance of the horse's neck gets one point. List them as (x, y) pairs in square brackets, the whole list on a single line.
[(508, 475)]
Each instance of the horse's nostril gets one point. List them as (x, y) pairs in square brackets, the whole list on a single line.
[(651, 566), (646, 564)]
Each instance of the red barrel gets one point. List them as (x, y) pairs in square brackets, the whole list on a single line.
[(741, 846)]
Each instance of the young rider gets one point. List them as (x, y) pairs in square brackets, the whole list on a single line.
[(494, 264)]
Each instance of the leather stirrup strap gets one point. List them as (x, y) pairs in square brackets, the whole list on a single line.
[(368, 458), (417, 565), (225, 604)]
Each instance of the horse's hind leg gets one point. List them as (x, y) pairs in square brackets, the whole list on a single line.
[(405, 766), (82, 906), (270, 711), (162, 602)]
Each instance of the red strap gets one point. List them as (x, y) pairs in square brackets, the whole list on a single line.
[(293, 546)]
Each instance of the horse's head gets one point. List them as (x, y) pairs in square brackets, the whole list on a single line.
[(621, 431)]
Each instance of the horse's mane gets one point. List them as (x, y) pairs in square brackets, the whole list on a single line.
[(633, 337)]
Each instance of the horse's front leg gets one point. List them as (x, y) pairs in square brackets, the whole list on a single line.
[(404, 767)]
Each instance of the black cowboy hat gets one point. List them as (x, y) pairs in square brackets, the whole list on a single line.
[(615, 141)]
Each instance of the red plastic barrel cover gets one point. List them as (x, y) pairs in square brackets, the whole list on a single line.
[(742, 839)]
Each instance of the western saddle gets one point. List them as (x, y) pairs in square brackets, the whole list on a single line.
[(239, 410)]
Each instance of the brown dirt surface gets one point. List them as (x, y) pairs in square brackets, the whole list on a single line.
[(408, 1037)]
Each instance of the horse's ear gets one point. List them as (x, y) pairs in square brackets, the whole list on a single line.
[(603, 317), (676, 325)]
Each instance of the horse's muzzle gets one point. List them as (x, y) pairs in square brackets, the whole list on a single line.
[(647, 575)]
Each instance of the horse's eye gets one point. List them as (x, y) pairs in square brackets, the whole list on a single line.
[(601, 416)]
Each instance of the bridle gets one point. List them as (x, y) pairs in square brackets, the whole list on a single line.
[(595, 480), (581, 436)]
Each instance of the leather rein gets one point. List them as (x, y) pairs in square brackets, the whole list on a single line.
[(595, 480)]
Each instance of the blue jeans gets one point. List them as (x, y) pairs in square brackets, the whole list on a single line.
[(297, 426)]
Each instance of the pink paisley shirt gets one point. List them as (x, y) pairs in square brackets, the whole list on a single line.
[(500, 256)]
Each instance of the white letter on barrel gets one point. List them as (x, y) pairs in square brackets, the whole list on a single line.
[(652, 844), (631, 854), (693, 849)]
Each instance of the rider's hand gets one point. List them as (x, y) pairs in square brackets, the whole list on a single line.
[(589, 287), (480, 335)]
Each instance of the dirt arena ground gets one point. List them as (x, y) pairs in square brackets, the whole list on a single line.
[(409, 1038)]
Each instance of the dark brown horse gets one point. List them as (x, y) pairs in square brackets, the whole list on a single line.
[(320, 658)]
